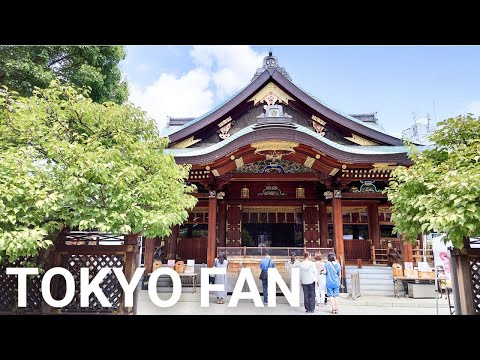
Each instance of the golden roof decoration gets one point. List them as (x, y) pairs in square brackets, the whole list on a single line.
[(270, 94)]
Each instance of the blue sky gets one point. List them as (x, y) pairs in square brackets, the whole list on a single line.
[(394, 81)]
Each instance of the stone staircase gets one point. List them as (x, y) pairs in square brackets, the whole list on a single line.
[(374, 280)]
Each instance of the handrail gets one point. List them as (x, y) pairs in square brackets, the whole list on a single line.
[(397, 257), (246, 251)]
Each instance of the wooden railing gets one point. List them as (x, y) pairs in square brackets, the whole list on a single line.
[(418, 255), (395, 256), (379, 255), (247, 251)]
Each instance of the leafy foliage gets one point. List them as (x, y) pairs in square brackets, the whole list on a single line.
[(441, 191), (24, 67), (67, 161)]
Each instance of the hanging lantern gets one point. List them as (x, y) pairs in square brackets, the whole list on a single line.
[(245, 193), (300, 192)]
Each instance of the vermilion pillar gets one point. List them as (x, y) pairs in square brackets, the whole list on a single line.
[(374, 225), (212, 227), (338, 234)]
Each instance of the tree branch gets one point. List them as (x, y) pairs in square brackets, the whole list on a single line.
[(57, 60)]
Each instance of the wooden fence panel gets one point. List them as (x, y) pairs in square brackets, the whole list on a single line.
[(192, 248), (357, 249)]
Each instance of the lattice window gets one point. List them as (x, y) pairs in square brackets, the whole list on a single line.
[(475, 274), (110, 285), (93, 238), (8, 289)]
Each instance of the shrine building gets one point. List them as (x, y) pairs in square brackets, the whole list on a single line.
[(277, 168)]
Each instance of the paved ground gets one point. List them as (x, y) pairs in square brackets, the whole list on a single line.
[(189, 304)]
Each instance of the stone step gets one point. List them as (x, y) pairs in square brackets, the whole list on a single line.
[(367, 281), (370, 268), (381, 287), (370, 277), (378, 293), (368, 271)]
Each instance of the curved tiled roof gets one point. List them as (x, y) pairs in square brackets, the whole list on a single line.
[(370, 130), (300, 134)]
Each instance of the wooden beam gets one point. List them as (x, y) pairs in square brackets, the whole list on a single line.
[(212, 228), (274, 177), (372, 195)]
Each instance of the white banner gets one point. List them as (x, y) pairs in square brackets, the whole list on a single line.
[(440, 254)]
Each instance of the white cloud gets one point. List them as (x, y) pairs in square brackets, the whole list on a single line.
[(474, 108), (183, 96), (232, 67), (219, 71)]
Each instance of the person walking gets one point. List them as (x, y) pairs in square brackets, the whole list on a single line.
[(221, 262), (321, 284), (333, 281), (308, 278), (289, 265), (266, 263)]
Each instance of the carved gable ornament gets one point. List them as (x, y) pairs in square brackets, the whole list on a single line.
[(318, 125), (272, 167), (225, 127), (185, 143), (360, 140), (274, 150), (271, 190), (271, 94)]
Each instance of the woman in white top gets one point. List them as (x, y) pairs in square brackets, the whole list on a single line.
[(321, 284), (221, 279)]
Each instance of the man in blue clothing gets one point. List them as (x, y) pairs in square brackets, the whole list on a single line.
[(265, 263)]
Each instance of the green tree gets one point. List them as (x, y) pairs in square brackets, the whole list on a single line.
[(67, 161), (24, 67), (441, 191)]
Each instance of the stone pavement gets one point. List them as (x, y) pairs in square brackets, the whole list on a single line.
[(189, 304)]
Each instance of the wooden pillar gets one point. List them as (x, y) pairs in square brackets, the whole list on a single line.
[(407, 251), (172, 243), (131, 257), (222, 224), (148, 255), (338, 234), (212, 227), (462, 283), (374, 225), (323, 225)]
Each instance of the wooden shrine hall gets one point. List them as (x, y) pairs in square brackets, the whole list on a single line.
[(276, 167)]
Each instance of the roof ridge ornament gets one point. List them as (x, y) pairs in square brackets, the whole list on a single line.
[(270, 62)]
